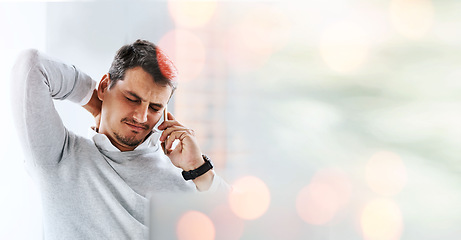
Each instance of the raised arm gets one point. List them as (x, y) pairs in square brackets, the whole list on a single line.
[(37, 79)]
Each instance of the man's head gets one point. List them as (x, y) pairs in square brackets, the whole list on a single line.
[(147, 55), (134, 93)]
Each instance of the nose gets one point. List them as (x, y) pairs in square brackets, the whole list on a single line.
[(140, 113)]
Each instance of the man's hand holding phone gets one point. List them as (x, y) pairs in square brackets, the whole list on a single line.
[(186, 155)]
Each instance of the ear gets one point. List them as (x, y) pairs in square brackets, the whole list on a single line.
[(103, 86)]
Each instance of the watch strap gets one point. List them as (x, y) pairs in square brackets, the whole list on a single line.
[(193, 174)]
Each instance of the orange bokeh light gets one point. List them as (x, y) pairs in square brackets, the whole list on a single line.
[(192, 13), (382, 220), (386, 173), (250, 198), (194, 225), (337, 180), (187, 52), (228, 226), (344, 47), (319, 202), (412, 18)]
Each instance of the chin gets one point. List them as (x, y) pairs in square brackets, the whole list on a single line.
[(129, 140)]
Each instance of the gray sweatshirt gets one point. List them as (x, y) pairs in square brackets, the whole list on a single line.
[(89, 189)]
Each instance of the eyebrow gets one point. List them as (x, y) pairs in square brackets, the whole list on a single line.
[(138, 97)]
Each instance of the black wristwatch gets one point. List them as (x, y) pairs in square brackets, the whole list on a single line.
[(193, 174)]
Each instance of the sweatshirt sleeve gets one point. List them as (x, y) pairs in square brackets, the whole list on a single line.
[(219, 186), (37, 80)]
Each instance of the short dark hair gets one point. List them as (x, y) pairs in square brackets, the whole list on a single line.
[(147, 55)]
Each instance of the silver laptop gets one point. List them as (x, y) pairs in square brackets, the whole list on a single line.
[(192, 216)]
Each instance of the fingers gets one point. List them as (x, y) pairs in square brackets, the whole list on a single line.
[(170, 116), (172, 131), (179, 135), (171, 122), (170, 126)]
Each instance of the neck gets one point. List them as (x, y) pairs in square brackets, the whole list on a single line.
[(120, 147)]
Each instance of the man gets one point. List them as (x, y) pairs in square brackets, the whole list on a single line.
[(96, 188)]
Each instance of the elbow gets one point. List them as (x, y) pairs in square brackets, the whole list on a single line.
[(20, 73), (26, 60)]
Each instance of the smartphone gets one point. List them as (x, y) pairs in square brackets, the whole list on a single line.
[(157, 133)]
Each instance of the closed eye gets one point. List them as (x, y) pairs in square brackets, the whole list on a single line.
[(154, 108), (132, 100)]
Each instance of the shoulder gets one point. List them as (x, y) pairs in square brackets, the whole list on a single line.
[(77, 145)]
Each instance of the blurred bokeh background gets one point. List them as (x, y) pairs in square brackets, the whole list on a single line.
[(335, 119)]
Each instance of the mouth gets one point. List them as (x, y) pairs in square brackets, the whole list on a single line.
[(135, 127)]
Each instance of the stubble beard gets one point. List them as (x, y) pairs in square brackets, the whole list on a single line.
[(128, 141)]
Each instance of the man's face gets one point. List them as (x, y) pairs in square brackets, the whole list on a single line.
[(131, 108)]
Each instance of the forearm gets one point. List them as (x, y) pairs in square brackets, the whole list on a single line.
[(94, 104), (212, 183), (63, 81), (203, 183)]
